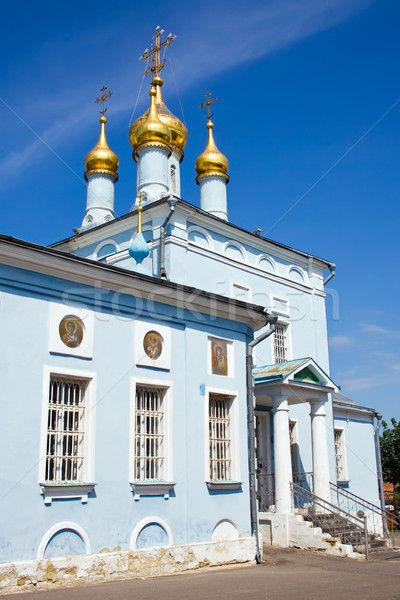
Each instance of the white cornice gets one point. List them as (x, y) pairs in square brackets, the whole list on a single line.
[(229, 230), (26, 256), (245, 267)]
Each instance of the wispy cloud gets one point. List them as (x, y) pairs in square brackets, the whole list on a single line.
[(378, 330), (341, 341), (229, 31)]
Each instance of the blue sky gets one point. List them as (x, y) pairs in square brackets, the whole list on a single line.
[(307, 116)]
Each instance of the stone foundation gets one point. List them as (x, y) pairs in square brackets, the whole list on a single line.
[(128, 564)]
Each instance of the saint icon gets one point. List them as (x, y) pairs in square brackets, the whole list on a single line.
[(153, 344), (71, 331), (219, 361)]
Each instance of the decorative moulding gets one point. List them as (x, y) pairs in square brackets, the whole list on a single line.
[(152, 345), (66, 491), (152, 488), (71, 330), (224, 485)]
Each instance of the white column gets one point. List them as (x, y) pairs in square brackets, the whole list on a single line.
[(320, 450), (152, 172), (99, 199), (213, 196), (282, 459)]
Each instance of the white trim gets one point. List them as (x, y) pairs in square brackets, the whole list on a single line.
[(300, 271), (238, 246), (49, 490), (97, 274), (221, 538), (70, 525), (168, 435), (285, 322), (58, 312), (243, 287), (148, 521), (274, 309), (248, 268), (230, 356), (345, 478), (200, 219), (268, 259), (141, 358), (234, 428), (194, 228), (106, 242), (152, 488)]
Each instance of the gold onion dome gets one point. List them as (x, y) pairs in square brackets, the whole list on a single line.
[(211, 161), (177, 129), (101, 159)]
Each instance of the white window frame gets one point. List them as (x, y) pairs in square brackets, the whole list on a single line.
[(79, 489), (159, 487), (234, 482), (230, 357), (345, 476), (286, 325), (241, 286)]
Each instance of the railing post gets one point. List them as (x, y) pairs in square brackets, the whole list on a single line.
[(366, 537)]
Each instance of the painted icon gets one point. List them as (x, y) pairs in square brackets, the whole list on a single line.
[(219, 358), (153, 344), (71, 331)]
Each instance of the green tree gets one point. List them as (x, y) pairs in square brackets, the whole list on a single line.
[(390, 451)]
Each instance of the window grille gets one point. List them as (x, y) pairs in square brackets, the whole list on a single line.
[(149, 434), (65, 430), (173, 179), (339, 456), (280, 343), (220, 438)]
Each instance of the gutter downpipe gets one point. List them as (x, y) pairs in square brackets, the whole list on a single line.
[(172, 202), (379, 470), (271, 320), (332, 269)]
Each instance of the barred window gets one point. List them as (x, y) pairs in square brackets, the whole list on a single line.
[(173, 179), (340, 458), (65, 430), (280, 343), (149, 460), (220, 443)]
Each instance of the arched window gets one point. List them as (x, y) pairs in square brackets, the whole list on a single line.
[(173, 179)]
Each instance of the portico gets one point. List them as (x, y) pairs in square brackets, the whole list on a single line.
[(277, 388)]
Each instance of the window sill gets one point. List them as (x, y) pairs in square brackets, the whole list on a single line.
[(152, 488), (224, 485), (343, 482), (65, 491)]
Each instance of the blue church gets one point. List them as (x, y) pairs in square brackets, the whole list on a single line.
[(169, 404)]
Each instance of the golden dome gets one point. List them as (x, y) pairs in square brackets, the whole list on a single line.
[(151, 128), (101, 159), (211, 161), (177, 128)]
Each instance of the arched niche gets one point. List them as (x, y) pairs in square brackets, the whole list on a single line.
[(64, 539)]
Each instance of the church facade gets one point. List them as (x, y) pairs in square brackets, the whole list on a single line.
[(173, 384)]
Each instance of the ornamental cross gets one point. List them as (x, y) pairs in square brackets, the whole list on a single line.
[(207, 104), (102, 99), (157, 63), (140, 196)]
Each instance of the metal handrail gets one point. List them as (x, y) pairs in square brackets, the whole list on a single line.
[(384, 514), (328, 508)]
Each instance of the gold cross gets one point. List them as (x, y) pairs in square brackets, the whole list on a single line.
[(207, 104), (102, 98), (140, 196), (157, 63)]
